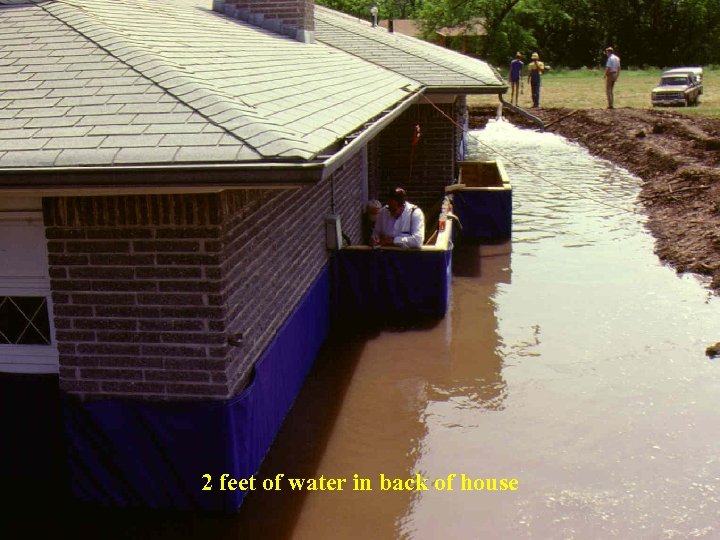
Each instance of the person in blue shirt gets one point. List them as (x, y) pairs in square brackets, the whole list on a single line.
[(515, 73), (535, 70)]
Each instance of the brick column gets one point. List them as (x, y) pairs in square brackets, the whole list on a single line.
[(426, 169)]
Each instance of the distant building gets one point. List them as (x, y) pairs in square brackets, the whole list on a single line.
[(165, 171), (464, 38)]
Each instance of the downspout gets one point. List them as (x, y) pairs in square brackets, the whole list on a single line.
[(520, 111)]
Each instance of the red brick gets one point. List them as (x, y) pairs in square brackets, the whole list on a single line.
[(127, 337), (164, 272), (167, 246), (121, 260), (132, 387), (99, 272), (190, 337), (177, 376), (58, 273), (194, 364), (111, 374), (172, 325), (106, 324), (188, 286), (98, 247), (124, 233), (124, 286), (133, 362), (80, 361), (169, 350), (192, 313), (133, 311), (189, 233), (67, 335), (57, 233), (170, 299), (72, 311), (67, 260), (187, 259), (197, 389), (104, 299), (71, 285), (77, 387), (104, 348)]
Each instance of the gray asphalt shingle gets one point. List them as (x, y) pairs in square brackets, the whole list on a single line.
[(102, 82), (429, 64)]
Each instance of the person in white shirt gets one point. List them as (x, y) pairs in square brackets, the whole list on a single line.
[(612, 72), (399, 223)]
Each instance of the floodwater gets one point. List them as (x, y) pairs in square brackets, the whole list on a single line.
[(571, 360)]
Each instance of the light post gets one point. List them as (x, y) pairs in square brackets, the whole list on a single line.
[(374, 13)]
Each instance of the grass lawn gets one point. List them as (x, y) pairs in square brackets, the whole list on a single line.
[(585, 89)]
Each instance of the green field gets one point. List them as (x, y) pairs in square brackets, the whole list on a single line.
[(585, 89)]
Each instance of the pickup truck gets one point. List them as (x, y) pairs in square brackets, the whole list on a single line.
[(679, 86)]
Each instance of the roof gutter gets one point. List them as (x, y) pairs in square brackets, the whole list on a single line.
[(139, 178), (471, 90)]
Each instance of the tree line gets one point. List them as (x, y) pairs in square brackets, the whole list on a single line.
[(571, 33)]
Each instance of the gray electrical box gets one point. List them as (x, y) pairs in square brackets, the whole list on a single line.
[(333, 232)]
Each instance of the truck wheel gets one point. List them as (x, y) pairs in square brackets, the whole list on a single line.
[(687, 102)]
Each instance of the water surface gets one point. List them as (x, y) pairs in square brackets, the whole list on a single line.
[(572, 360)]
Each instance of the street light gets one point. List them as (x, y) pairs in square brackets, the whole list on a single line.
[(374, 13)]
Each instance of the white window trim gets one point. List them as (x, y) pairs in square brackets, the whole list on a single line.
[(34, 359)]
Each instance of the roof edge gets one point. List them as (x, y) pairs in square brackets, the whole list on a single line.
[(159, 178)]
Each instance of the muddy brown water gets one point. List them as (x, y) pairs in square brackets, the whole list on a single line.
[(570, 359)]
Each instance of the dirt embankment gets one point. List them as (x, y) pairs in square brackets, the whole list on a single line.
[(677, 158)]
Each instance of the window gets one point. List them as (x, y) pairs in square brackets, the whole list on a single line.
[(27, 343), (24, 320)]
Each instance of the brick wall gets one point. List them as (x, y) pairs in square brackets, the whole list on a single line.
[(298, 14), (147, 289), (425, 170), (273, 254)]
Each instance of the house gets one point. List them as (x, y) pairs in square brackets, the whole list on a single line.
[(462, 37), (166, 167)]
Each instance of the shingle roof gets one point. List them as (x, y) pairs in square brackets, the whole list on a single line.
[(436, 67), (125, 82), (110, 82)]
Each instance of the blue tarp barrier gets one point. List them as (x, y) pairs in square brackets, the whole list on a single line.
[(154, 455), (132, 453), (484, 214), (391, 285)]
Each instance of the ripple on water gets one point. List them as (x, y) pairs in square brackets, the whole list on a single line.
[(609, 406)]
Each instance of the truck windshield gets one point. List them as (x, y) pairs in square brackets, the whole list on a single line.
[(673, 81)]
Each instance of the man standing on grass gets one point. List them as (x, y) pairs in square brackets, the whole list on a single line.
[(535, 70), (612, 72)]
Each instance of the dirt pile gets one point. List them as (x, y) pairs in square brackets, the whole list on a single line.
[(677, 158)]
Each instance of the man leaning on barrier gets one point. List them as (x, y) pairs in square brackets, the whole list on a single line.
[(399, 223)]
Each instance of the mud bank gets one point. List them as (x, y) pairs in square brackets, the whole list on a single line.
[(677, 158)]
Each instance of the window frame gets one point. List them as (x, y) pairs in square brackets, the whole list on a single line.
[(29, 358)]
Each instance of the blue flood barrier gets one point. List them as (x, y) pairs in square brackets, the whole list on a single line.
[(391, 285), (133, 453), (484, 214)]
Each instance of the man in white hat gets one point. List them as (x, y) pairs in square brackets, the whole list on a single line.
[(535, 70), (612, 72)]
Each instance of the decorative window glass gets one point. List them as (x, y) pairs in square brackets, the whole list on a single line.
[(24, 320)]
